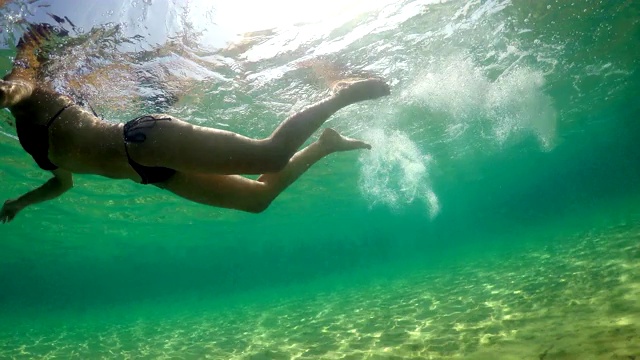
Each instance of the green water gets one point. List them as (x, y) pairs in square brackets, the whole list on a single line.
[(496, 217)]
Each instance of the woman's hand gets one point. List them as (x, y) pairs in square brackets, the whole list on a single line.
[(10, 209)]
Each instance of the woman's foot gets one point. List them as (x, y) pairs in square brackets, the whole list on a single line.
[(334, 142), (356, 90)]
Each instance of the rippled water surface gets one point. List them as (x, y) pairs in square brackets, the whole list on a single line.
[(495, 217)]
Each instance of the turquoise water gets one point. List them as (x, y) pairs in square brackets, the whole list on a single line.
[(496, 216)]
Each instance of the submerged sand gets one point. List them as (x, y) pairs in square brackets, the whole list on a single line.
[(578, 298)]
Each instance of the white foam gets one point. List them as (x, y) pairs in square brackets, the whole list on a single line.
[(395, 173), (512, 104)]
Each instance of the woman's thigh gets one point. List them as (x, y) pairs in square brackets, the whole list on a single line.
[(225, 191), (173, 143)]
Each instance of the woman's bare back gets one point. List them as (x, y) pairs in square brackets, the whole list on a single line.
[(79, 141)]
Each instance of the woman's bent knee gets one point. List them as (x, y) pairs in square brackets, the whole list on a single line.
[(258, 206)]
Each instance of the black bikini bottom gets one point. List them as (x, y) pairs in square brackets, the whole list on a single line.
[(134, 133)]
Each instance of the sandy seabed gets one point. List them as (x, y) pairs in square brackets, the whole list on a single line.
[(578, 298)]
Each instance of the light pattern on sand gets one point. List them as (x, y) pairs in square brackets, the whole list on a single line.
[(575, 299)]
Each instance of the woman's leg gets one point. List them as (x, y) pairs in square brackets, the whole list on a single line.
[(194, 149), (240, 193)]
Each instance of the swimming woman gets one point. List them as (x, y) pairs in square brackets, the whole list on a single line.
[(198, 163)]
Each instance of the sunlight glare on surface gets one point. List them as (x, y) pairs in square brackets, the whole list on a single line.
[(252, 15)]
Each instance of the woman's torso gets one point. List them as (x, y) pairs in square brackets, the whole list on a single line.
[(78, 141)]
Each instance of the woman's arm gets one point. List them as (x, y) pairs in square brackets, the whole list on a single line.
[(56, 186)]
